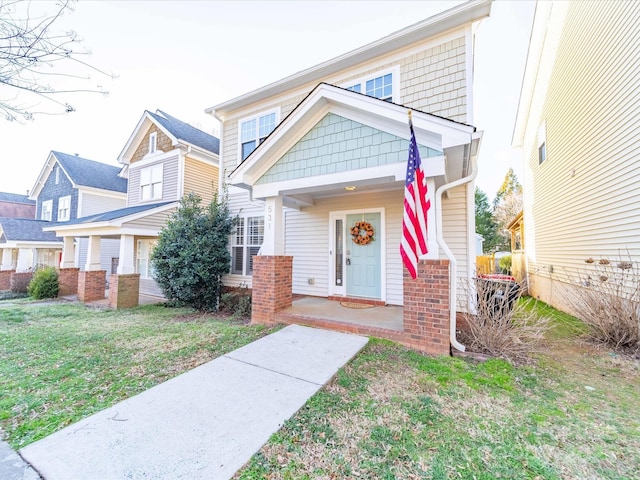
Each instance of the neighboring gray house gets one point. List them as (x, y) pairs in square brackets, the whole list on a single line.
[(68, 187), (163, 159)]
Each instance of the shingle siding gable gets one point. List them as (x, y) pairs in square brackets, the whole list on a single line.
[(53, 191), (164, 144)]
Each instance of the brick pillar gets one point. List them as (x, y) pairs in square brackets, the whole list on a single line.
[(68, 281), (271, 287), (20, 281), (5, 279), (124, 290), (91, 285), (426, 307)]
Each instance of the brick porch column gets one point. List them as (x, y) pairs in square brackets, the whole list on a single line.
[(124, 290), (271, 287), (5, 279), (91, 285), (426, 307), (68, 281)]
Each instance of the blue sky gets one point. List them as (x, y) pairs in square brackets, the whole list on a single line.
[(183, 57)]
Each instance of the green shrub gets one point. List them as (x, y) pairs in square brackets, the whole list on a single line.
[(192, 253), (237, 302), (44, 283)]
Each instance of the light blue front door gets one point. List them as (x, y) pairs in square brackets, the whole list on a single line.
[(363, 261)]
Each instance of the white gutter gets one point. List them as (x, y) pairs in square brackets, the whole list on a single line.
[(453, 263)]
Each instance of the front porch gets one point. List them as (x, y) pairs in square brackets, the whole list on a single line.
[(348, 316)]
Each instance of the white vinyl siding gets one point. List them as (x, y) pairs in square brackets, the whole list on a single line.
[(91, 203), (583, 200)]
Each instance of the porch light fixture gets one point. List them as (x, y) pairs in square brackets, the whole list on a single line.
[(350, 188)]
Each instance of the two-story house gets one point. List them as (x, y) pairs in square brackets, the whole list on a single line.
[(67, 188), (314, 157), (163, 159), (577, 125)]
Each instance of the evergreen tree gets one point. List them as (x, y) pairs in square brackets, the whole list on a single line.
[(485, 224), (192, 253)]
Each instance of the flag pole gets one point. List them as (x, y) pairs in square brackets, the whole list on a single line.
[(409, 115)]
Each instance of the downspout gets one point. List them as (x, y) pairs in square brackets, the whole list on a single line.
[(453, 263)]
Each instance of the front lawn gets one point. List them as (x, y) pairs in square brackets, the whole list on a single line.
[(60, 363), (389, 413), (392, 413)]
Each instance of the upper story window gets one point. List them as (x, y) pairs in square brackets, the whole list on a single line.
[(64, 208), (383, 86), (153, 142), (254, 130), (46, 210), (246, 243), (151, 183), (57, 174), (542, 143)]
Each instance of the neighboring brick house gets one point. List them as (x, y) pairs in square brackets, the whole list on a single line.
[(309, 156), (67, 187), (163, 159), (577, 125)]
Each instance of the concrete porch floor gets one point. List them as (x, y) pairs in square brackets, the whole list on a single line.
[(388, 317)]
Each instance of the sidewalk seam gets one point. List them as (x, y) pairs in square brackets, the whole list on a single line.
[(274, 371)]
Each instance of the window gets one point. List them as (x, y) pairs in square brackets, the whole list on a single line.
[(57, 175), (46, 210), (153, 142), (143, 258), (246, 243), (64, 209), (254, 130), (542, 143), (151, 183), (382, 86)]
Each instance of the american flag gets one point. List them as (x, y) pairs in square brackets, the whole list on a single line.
[(416, 205)]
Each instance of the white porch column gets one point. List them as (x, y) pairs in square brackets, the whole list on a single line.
[(6, 259), (93, 254), (68, 253), (273, 236), (126, 264)]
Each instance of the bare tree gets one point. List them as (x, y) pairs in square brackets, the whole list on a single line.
[(39, 66)]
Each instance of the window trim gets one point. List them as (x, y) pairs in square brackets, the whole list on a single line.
[(153, 143), (66, 198), (362, 81), (255, 117), (542, 142), (151, 184), (49, 205), (245, 247)]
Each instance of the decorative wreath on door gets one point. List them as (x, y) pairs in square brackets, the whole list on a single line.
[(362, 233)]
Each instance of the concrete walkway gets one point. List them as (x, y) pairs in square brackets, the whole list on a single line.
[(203, 424)]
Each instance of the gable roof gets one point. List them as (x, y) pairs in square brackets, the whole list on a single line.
[(457, 140), (81, 172), (89, 173), (178, 131), (16, 198), (466, 13), (25, 230), (187, 133)]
